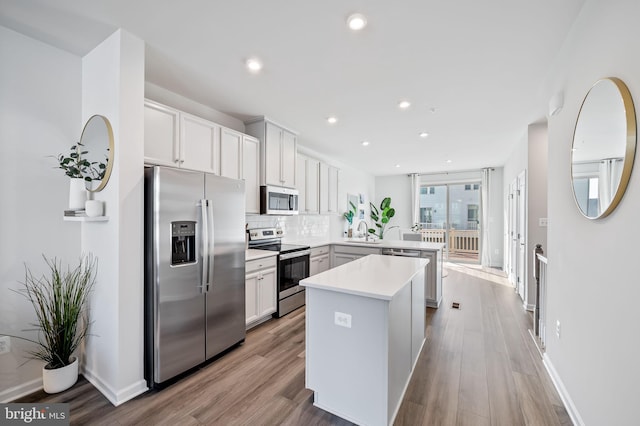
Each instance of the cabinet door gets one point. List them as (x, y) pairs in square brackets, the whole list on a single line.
[(267, 292), (332, 204), (250, 151), (288, 159), (324, 188), (200, 144), (273, 160), (323, 263), (300, 182), (312, 181), (230, 151), (341, 259), (314, 265), (161, 143), (251, 297)]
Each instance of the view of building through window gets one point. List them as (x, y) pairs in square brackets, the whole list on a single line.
[(451, 214)]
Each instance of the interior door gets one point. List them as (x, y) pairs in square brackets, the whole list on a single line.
[(513, 234), (522, 234)]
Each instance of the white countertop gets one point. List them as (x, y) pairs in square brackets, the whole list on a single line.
[(254, 254), (374, 276), (416, 245)]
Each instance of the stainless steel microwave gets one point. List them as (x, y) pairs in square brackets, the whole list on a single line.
[(277, 200)]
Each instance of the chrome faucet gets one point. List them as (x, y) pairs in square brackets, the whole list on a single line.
[(366, 230)]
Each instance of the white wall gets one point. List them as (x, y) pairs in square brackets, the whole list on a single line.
[(593, 273), (39, 116), (113, 85), (397, 187)]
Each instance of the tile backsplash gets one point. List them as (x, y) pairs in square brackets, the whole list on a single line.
[(299, 227)]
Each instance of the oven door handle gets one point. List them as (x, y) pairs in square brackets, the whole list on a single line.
[(295, 254)]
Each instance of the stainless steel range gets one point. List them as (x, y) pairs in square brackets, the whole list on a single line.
[(293, 266)]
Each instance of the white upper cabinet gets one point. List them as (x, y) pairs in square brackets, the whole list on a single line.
[(199, 144), (328, 188), (250, 167), (288, 164), (301, 165), (161, 135), (312, 182), (230, 153), (178, 139), (277, 153)]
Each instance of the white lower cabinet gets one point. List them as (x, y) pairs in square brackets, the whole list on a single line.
[(260, 289), (345, 254), (319, 260)]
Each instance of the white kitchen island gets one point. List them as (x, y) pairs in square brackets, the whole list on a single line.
[(365, 327)]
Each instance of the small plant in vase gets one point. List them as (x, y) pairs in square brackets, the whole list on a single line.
[(349, 215), (60, 304), (82, 172)]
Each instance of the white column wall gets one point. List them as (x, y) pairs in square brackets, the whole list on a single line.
[(113, 85)]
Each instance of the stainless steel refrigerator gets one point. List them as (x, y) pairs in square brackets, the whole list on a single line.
[(194, 269)]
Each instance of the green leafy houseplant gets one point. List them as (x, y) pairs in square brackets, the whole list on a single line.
[(59, 301), (351, 213), (382, 217), (77, 167)]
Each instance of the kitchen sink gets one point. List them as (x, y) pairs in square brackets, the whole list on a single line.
[(361, 241)]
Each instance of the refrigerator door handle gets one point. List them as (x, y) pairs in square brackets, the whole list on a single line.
[(210, 242), (204, 208)]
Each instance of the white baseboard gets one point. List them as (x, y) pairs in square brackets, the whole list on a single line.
[(19, 391), (116, 397), (564, 395)]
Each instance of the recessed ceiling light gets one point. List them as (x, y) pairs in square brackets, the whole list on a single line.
[(449, 161), (254, 65), (365, 143), (424, 134), (404, 104), (397, 165), (357, 21), (332, 120)]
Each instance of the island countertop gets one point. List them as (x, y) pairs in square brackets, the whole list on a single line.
[(374, 276)]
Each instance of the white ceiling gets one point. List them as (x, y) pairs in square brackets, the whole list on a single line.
[(480, 64)]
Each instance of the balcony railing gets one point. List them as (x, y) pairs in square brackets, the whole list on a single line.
[(462, 241)]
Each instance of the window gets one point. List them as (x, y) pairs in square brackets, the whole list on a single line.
[(467, 187)]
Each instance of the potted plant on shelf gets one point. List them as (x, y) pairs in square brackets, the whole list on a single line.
[(349, 215), (62, 318), (382, 217), (81, 171)]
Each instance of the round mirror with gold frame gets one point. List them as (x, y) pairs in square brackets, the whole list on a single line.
[(603, 149), (97, 149)]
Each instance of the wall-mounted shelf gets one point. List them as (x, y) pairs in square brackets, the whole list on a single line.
[(85, 218)]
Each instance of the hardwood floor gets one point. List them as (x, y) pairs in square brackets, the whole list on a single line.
[(479, 366)]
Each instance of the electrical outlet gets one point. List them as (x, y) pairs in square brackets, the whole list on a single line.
[(342, 319), (5, 344), (558, 328), (543, 222)]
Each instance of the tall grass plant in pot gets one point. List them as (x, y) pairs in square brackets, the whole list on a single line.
[(60, 302)]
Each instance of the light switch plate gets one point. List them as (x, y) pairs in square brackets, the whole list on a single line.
[(342, 319)]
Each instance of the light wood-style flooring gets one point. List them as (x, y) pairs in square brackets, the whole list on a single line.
[(479, 367)]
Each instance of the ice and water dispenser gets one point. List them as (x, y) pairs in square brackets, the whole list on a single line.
[(183, 242)]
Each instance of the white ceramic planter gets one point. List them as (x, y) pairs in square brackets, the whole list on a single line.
[(60, 379), (77, 194), (94, 208)]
